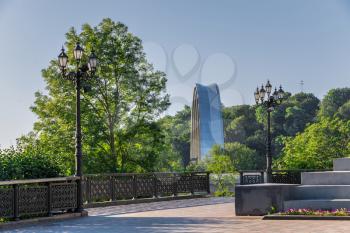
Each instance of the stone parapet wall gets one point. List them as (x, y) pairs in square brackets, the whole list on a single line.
[(259, 199)]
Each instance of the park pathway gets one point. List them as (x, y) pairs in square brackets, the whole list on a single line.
[(209, 215)]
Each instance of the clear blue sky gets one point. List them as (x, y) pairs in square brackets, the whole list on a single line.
[(249, 41)]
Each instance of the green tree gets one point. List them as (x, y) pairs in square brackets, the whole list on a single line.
[(15, 163), (221, 167), (257, 143), (301, 111), (334, 99), (317, 146), (241, 156), (119, 110), (291, 117), (177, 131), (344, 111), (240, 123), (199, 166), (219, 164)]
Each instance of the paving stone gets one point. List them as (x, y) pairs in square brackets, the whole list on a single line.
[(210, 215)]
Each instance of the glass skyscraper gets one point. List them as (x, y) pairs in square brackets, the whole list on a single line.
[(207, 123)]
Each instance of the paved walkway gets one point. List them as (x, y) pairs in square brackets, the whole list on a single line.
[(209, 215)]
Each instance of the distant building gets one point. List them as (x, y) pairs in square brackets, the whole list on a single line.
[(207, 123)]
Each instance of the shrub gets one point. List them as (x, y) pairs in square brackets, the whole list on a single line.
[(16, 165), (317, 146)]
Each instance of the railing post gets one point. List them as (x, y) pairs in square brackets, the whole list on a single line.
[(208, 182), (88, 189), (155, 194), (111, 183), (192, 184), (16, 202), (241, 178), (49, 199), (134, 187), (262, 177), (174, 185)]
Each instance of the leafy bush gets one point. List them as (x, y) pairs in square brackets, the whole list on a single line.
[(221, 168), (16, 165), (223, 184), (239, 156), (200, 166), (219, 165), (317, 146)]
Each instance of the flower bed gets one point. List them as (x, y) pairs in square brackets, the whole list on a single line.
[(309, 212)]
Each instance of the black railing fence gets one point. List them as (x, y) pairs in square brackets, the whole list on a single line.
[(36, 197), (113, 187), (278, 176), (44, 197), (251, 177)]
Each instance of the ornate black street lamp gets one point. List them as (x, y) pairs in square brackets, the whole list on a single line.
[(81, 73), (273, 99)]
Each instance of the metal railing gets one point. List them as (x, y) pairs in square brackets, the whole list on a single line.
[(45, 197), (251, 177), (129, 186), (37, 197), (278, 176)]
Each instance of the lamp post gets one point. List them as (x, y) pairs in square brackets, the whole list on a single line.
[(273, 99), (81, 73)]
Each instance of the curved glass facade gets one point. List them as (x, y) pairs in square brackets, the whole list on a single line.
[(207, 123)]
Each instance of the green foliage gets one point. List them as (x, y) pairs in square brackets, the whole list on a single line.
[(123, 130), (301, 110), (334, 99), (344, 111), (177, 131), (144, 147), (18, 165), (272, 210), (219, 165), (2, 220), (240, 123), (200, 166), (119, 111), (223, 192), (317, 146), (240, 156), (247, 125), (292, 115)]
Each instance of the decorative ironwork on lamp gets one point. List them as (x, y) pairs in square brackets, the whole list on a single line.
[(269, 103), (81, 73)]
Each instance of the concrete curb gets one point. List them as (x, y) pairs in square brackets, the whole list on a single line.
[(304, 217), (32, 221)]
